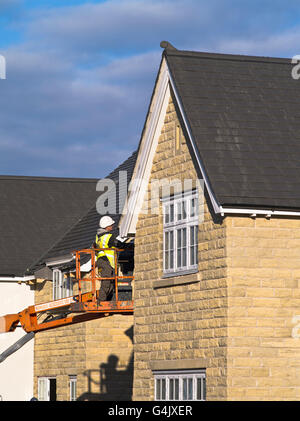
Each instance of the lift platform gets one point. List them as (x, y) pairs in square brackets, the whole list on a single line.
[(77, 308)]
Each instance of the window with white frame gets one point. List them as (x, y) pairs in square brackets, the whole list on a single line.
[(182, 385), (47, 389), (180, 245), (62, 285), (73, 388)]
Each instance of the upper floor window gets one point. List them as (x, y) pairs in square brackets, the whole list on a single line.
[(180, 245), (62, 285)]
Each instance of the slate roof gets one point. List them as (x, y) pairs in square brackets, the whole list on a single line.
[(244, 114), (82, 233), (34, 212)]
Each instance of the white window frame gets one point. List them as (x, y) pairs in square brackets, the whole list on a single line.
[(44, 388), (180, 385), (180, 230), (73, 388), (62, 285)]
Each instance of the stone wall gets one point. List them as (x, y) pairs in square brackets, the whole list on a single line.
[(238, 317), (180, 321), (263, 305)]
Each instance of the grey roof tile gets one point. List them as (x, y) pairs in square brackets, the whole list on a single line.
[(82, 233), (243, 112), (34, 212)]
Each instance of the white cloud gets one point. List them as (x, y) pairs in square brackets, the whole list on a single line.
[(118, 26), (49, 108), (113, 25), (284, 44), (79, 84)]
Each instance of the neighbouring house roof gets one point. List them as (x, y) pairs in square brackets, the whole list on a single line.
[(82, 233), (34, 213), (243, 113)]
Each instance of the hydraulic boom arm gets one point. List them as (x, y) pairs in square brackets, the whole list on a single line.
[(61, 313), (68, 311)]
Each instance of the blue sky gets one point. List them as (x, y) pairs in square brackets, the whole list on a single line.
[(80, 73)]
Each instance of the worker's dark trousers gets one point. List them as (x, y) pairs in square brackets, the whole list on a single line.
[(106, 271)]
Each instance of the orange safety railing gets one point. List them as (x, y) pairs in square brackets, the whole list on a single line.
[(93, 278), (74, 309)]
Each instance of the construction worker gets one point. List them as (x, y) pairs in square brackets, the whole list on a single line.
[(105, 259)]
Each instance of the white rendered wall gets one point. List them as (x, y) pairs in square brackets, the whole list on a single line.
[(16, 372)]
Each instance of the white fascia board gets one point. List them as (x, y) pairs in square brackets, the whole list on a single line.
[(16, 278), (60, 261), (286, 213), (254, 212), (141, 174)]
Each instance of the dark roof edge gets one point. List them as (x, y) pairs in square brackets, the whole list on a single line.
[(170, 50), (117, 169), (39, 178)]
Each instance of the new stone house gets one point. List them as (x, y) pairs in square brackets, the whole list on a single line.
[(215, 216), (217, 298)]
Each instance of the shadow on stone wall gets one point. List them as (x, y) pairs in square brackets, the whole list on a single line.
[(114, 384)]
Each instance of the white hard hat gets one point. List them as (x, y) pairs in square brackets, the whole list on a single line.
[(106, 221)]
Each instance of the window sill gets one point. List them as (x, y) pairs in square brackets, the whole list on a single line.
[(177, 278)]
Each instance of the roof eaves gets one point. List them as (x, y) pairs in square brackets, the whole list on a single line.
[(54, 179)]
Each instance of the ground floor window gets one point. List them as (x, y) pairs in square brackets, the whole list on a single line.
[(180, 385), (73, 388), (47, 389)]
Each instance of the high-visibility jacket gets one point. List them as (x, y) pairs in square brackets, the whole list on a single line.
[(102, 243)]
